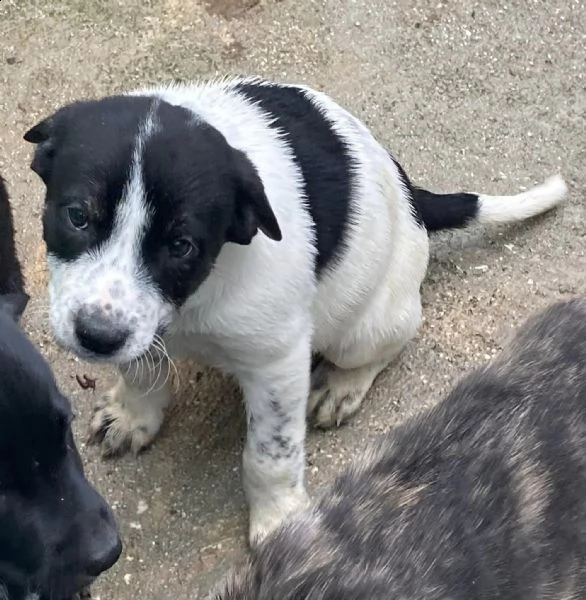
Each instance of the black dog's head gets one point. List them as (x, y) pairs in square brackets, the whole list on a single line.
[(56, 532)]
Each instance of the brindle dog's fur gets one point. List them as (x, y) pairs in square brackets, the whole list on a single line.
[(483, 496)]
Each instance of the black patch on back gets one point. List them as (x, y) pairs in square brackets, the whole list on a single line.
[(323, 158)]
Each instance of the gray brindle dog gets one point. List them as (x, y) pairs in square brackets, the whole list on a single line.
[(481, 497)]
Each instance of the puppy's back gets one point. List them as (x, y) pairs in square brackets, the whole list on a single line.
[(481, 497)]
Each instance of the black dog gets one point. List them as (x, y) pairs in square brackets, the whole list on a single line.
[(483, 497), (13, 298), (56, 532)]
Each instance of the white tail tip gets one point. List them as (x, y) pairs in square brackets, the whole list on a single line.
[(533, 202)]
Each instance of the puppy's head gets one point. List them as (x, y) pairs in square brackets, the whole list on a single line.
[(56, 532), (140, 198)]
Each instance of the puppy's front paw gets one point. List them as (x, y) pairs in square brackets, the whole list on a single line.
[(125, 421), (264, 520)]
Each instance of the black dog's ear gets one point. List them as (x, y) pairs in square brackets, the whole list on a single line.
[(42, 134), (14, 304), (252, 211)]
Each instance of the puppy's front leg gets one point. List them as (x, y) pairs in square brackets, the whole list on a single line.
[(274, 456), (129, 415)]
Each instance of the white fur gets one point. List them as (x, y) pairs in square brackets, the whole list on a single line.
[(261, 311), (112, 279), (537, 200)]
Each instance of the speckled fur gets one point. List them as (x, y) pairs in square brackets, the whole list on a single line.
[(480, 497)]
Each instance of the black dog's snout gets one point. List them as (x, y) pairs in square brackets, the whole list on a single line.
[(104, 555), (97, 333)]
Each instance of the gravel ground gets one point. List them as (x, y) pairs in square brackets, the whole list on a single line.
[(486, 96)]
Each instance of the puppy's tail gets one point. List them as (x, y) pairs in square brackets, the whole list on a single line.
[(450, 211), (13, 298)]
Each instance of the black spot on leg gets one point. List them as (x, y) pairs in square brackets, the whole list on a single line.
[(281, 414), (282, 442), (274, 445), (279, 448)]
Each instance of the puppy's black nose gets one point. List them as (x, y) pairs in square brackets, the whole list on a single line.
[(104, 557), (96, 333)]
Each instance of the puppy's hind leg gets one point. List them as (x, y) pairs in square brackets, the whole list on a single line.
[(341, 381), (337, 393)]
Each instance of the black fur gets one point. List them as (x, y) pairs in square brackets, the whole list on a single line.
[(445, 211), (56, 532), (481, 497), (324, 160), (410, 192), (13, 298), (207, 191), (439, 211), (102, 167), (197, 186)]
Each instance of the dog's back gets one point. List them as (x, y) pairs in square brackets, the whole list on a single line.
[(13, 298), (481, 497)]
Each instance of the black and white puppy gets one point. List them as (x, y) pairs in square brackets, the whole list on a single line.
[(56, 532), (248, 225), (480, 498)]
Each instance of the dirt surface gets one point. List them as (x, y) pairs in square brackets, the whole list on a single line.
[(485, 96)]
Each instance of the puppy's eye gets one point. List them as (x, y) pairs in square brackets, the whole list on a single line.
[(78, 217), (181, 248)]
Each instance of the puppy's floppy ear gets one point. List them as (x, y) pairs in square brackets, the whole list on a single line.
[(252, 209), (42, 134)]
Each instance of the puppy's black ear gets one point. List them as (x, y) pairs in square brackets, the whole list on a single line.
[(252, 211), (42, 134)]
